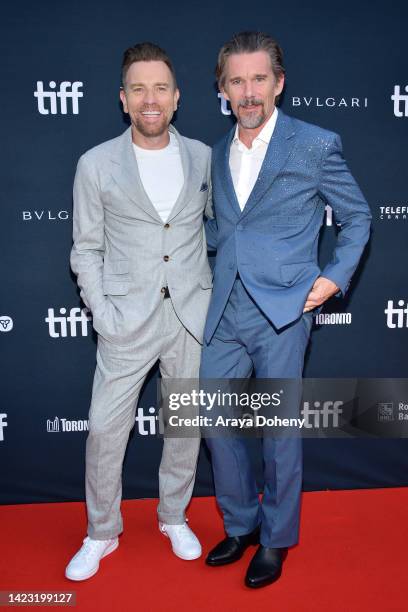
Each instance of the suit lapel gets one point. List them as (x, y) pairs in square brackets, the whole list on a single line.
[(126, 174), (226, 178), (192, 176), (278, 151)]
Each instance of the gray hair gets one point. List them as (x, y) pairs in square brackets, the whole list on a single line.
[(250, 42)]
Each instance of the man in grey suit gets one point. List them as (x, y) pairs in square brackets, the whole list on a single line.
[(141, 259)]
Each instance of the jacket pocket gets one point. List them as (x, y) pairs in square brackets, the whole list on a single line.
[(113, 287), (286, 220), (205, 281), (116, 277)]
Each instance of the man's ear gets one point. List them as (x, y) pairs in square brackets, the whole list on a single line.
[(123, 100), (176, 98), (224, 93), (280, 85)]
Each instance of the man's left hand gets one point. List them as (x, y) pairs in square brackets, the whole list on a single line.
[(322, 290)]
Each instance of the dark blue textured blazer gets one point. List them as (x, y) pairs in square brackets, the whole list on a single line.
[(273, 242)]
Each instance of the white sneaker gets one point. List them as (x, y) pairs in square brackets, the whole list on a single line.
[(184, 542), (85, 563)]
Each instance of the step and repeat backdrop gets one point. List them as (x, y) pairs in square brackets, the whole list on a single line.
[(60, 76)]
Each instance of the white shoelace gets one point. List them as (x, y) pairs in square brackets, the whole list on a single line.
[(91, 548)]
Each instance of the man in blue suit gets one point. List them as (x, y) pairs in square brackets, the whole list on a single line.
[(272, 176)]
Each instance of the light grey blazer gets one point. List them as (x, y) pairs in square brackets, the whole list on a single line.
[(124, 254)]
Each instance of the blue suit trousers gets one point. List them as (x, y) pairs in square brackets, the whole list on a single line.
[(245, 341)]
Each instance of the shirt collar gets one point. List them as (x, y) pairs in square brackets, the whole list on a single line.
[(264, 135)]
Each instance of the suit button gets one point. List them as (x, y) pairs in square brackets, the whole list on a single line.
[(166, 258), (167, 226), (240, 227)]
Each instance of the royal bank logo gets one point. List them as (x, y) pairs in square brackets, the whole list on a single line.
[(397, 316), (393, 212), (400, 101), (403, 411), (60, 100), (333, 318), (45, 215), (385, 411), (329, 102), (73, 325), (58, 425), (3, 424), (6, 323)]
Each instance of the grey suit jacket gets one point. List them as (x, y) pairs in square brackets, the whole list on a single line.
[(123, 253)]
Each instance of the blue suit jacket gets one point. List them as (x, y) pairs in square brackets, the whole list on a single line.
[(273, 242)]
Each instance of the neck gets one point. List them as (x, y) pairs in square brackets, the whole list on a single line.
[(150, 142), (248, 135)]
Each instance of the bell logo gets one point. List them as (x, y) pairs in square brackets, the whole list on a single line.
[(60, 326), (400, 100), (67, 90)]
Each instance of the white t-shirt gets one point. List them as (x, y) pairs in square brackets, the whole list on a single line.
[(161, 172)]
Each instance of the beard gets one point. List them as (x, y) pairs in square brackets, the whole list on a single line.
[(254, 118), (151, 130)]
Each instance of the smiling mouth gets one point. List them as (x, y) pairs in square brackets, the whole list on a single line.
[(150, 113)]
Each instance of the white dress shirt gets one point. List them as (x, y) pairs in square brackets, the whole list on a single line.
[(245, 163), (161, 173)]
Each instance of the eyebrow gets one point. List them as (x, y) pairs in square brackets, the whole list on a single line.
[(261, 74), (143, 84)]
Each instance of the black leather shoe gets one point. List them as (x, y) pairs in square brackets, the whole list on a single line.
[(265, 567), (232, 548)]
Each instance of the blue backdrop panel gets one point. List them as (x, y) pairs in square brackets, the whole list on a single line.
[(60, 74)]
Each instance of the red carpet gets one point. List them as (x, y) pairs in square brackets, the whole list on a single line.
[(352, 557)]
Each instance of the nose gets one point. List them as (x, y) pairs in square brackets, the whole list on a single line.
[(150, 97), (248, 89)]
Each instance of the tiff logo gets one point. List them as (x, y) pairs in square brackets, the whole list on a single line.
[(224, 105), (67, 90), (395, 316), (59, 326), (325, 414), (148, 425), (3, 424), (400, 100)]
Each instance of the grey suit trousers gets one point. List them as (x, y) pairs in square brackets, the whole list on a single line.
[(119, 376)]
